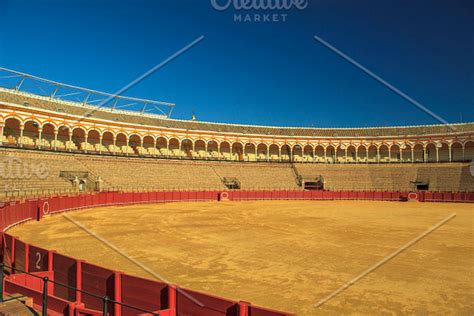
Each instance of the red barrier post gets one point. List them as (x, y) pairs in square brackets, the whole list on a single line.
[(27, 256), (13, 254), (50, 259), (172, 298), (78, 281), (117, 293), (244, 308)]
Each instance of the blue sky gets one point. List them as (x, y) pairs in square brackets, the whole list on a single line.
[(256, 73)]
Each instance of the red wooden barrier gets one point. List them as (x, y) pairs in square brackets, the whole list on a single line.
[(195, 303), (143, 293), (37, 259), (20, 255), (65, 273), (98, 281)]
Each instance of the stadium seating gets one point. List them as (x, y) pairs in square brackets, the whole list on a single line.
[(451, 177), (131, 174)]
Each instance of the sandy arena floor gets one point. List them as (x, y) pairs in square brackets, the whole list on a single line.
[(284, 254)]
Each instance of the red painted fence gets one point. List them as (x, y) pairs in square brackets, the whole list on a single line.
[(81, 279)]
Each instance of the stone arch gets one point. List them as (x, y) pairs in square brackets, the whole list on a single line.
[(174, 147), (148, 142), (384, 154), (443, 152), (134, 141), (418, 153), (107, 139), (249, 150), (31, 132), (469, 150), (297, 152), (351, 153), (93, 137), (49, 130), (274, 152), (11, 130), (213, 149), (237, 151), (225, 149), (187, 147), (341, 153), (308, 153), (456, 151), (200, 148), (262, 150), (395, 153), (331, 153), (161, 144), (372, 153), (47, 135), (406, 152), (362, 153), (121, 140), (78, 136), (319, 153), (63, 133), (285, 152), (430, 151)]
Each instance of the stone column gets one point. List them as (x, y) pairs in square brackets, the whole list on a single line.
[(40, 132), (100, 143), (85, 143), (70, 138), (20, 140), (55, 139)]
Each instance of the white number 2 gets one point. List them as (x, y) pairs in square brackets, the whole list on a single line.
[(38, 260)]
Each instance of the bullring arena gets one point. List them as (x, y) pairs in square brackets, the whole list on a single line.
[(121, 212)]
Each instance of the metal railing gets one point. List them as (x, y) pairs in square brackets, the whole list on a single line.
[(105, 299), (26, 83)]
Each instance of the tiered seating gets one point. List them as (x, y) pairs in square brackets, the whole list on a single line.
[(441, 177), (258, 175), (35, 172), (132, 174), (159, 174)]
